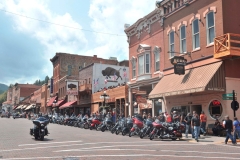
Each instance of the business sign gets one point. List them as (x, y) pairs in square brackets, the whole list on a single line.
[(72, 88), (179, 69)]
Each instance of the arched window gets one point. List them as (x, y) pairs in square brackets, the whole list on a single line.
[(183, 47), (210, 27), (195, 32), (171, 44)]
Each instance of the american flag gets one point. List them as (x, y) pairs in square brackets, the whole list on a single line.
[(105, 81), (97, 81)]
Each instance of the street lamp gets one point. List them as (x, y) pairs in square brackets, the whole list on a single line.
[(104, 96)]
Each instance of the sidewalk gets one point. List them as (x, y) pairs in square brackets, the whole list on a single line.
[(208, 139)]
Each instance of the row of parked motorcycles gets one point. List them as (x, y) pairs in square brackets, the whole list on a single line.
[(135, 126)]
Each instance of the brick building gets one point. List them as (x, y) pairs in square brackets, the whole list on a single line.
[(18, 92), (146, 61), (65, 71), (197, 31)]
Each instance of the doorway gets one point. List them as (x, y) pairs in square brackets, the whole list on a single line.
[(197, 108)]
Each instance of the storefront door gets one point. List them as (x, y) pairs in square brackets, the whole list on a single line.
[(197, 108)]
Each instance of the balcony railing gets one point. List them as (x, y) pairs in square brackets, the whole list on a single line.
[(85, 87), (227, 45)]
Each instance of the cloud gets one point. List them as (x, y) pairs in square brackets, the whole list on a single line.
[(52, 38), (110, 16)]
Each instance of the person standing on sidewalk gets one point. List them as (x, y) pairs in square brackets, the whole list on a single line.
[(203, 120), (236, 129), (187, 120), (195, 122), (228, 125)]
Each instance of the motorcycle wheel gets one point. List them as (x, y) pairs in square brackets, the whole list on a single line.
[(174, 139), (117, 132), (130, 134), (151, 137), (86, 126), (91, 128), (141, 135), (124, 133), (36, 137), (112, 131), (42, 138), (103, 129)]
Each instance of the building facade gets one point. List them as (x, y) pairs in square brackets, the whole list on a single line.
[(191, 31), (146, 62)]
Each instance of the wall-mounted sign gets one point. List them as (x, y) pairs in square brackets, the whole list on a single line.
[(72, 88), (179, 68), (51, 86)]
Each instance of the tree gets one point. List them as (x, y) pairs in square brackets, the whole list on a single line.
[(46, 79)]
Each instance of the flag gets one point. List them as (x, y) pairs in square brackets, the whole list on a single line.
[(105, 81), (94, 83), (124, 74)]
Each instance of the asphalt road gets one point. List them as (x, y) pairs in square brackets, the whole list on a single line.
[(70, 143)]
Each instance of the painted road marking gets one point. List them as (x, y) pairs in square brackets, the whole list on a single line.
[(48, 143), (125, 155), (196, 152), (141, 145)]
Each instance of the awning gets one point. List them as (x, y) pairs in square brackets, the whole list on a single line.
[(15, 107), (19, 107), (50, 102), (24, 107), (68, 104), (205, 78), (30, 106), (59, 103)]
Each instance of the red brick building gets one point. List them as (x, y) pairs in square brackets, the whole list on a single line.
[(197, 31), (146, 61)]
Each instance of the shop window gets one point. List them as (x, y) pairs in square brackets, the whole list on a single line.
[(215, 109)]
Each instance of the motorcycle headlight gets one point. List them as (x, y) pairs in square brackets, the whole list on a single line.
[(42, 125)]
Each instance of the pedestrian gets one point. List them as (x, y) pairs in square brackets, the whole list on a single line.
[(188, 127), (203, 120), (144, 115), (176, 117), (168, 117), (236, 129), (228, 125), (195, 122)]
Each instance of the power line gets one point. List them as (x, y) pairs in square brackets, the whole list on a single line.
[(113, 34)]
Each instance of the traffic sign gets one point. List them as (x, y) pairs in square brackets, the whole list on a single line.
[(229, 95), (228, 98)]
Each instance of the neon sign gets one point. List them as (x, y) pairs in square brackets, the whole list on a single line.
[(216, 103)]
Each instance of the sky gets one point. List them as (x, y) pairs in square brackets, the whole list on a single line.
[(32, 31)]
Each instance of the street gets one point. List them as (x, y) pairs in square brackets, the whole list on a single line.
[(70, 143)]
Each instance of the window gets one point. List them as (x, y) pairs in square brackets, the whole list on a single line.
[(171, 44), (133, 67), (210, 27), (157, 58), (215, 109), (183, 48), (140, 65), (195, 34), (69, 70), (147, 64)]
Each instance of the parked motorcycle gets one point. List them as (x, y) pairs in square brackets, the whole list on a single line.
[(129, 124), (40, 128), (137, 126), (167, 130), (120, 126), (95, 123), (107, 124), (148, 126)]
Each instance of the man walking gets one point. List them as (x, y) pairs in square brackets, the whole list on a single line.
[(195, 122), (188, 119), (236, 129), (203, 120), (228, 125)]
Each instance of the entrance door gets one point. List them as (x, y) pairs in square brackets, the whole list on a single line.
[(197, 108)]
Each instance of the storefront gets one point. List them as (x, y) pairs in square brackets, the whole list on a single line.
[(200, 89), (115, 100)]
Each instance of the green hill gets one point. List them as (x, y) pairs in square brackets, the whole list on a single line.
[(3, 88)]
